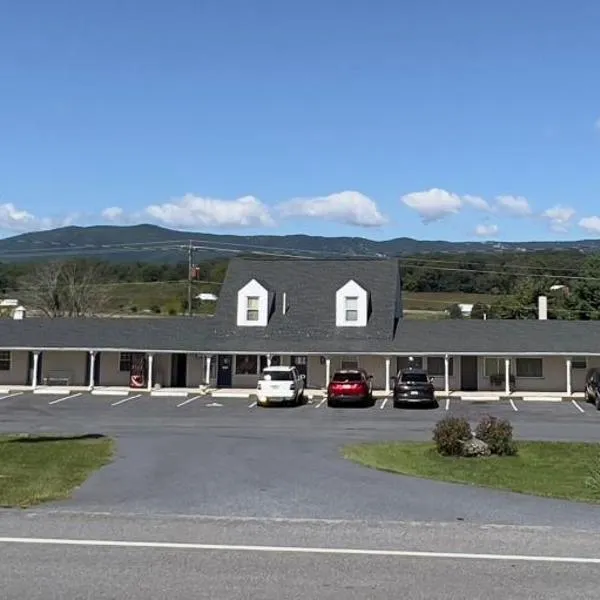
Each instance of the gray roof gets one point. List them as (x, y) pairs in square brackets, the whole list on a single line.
[(194, 334), (310, 287)]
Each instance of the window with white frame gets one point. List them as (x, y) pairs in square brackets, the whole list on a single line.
[(252, 308), (493, 366), (349, 363), (436, 368), (530, 367), (246, 364), (351, 308), (5, 360), (579, 363), (130, 360)]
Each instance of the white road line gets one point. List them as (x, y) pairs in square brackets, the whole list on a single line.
[(576, 405), (125, 400), (298, 550), (65, 398), (253, 404), (448, 403), (514, 406), (10, 395), (188, 401), (384, 403), (321, 403)]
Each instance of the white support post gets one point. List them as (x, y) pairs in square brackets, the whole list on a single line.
[(150, 371), (387, 375), (446, 374), (34, 375), (207, 373), (327, 372), (569, 381), (507, 376), (269, 359), (91, 382)]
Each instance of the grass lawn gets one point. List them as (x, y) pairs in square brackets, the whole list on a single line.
[(550, 469), (441, 300), (35, 469)]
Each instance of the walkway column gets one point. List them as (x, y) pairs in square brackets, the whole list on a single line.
[(34, 375), (92, 369), (150, 371), (569, 382), (269, 358), (446, 374), (387, 375), (207, 373), (327, 372), (507, 376)]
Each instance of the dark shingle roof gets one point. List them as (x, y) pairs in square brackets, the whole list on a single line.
[(310, 287)]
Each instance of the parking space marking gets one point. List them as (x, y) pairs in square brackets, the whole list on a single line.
[(189, 400), (576, 405), (65, 398), (321, 403), (10, 395), (448, 403), (514, 406), (125, 400), (384, 403), (253, 405)]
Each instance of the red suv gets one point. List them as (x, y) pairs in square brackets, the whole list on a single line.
[(351, 387)]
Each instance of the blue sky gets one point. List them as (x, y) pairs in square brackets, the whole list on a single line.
[(433, 119)]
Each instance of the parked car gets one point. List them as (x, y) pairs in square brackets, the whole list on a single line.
[(280, 385), (592, 386), (350, 386), (413, 386)]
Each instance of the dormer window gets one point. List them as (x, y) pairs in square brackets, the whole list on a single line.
[(252, 308), (351, 305), (351, 308), (253, 305)]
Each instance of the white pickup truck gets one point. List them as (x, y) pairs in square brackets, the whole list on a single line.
[(279, 385)]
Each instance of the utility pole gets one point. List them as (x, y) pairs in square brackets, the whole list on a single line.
[(190, 264)]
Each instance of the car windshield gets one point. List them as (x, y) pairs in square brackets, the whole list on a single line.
[(277, 375), (414, 377), (346, 377)]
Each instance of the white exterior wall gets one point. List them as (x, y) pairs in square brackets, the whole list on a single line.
[(109, 370), (351, 289), (196, 370), (72, 363), (17, 375), (253, 289)]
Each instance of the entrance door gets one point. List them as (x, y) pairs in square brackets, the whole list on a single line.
[(224, 374), (301, 364), (178, 370), (468, 373)]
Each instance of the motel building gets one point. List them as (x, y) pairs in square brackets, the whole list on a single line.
[(319, 315)]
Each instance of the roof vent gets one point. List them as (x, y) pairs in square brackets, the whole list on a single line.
[(542, 308), (284, 306), (19, 313)]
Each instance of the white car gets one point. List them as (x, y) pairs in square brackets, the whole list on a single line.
[(280, 385)]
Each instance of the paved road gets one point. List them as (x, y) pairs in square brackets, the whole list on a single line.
[(173, 558)]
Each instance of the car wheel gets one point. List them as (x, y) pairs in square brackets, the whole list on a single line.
[(597, 402)]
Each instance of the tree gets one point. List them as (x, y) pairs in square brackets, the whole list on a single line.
[(479, 310), (454, 311), (65, 289)]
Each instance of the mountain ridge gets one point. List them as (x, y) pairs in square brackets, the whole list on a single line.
[(152, 243)]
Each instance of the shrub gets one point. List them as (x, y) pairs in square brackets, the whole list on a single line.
[(449, 433), (497, 434)]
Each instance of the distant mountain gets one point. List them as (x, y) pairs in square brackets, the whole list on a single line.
[(149, 243)]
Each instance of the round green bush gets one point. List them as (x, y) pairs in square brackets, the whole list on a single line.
[(449, 433)]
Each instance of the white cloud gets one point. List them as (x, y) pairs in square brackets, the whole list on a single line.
[(517, 206), (590, 224), (477, 202), (434, 204), (15, 219), (486, 230), (196, 211), (113, 213), (349, 207), (559, 217)]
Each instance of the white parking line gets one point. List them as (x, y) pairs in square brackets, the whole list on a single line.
[(65, 398), (188, 401), (300, 550), (255, 403), (125, 400), (448, 403), (514, 406), (321, 403), (384, 403), (10, 395), (576, 405)]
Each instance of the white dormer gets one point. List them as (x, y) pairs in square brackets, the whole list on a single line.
[(253, 305), (351, 305)]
